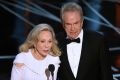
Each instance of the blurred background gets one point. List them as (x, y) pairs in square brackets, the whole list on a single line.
[(18, 17)]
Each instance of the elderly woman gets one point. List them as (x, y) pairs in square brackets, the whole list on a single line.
[(37, 53)]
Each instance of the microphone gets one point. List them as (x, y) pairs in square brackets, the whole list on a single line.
[(51, 68), (47, 72)]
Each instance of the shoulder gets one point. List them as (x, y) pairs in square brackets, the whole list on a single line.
[(53, 59), (20, 55), (20, 58), (93, 34)]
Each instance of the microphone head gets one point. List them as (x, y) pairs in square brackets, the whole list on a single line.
[(47, 72), (51, 68)]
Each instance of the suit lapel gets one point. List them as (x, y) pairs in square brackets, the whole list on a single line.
[(66, 62), (82, 64)]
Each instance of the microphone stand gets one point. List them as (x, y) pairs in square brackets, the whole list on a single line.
[(47, 72), (52, 73), (51, 68)]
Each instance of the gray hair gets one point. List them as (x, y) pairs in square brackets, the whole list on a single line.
[(71, 6)]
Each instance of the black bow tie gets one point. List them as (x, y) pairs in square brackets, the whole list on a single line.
[(73, 40)]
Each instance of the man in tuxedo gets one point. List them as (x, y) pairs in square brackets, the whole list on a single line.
[(84, 54)]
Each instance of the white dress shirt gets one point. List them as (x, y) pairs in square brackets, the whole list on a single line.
[(74, 53)]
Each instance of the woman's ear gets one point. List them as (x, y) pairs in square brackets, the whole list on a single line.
[(34, 45)]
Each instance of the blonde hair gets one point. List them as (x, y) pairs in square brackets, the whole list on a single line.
[(32, 39)]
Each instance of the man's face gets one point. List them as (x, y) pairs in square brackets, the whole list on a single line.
[(72, 23)]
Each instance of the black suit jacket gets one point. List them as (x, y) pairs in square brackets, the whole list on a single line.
[(94, 61)]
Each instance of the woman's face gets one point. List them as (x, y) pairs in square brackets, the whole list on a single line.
[(44, 43)]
